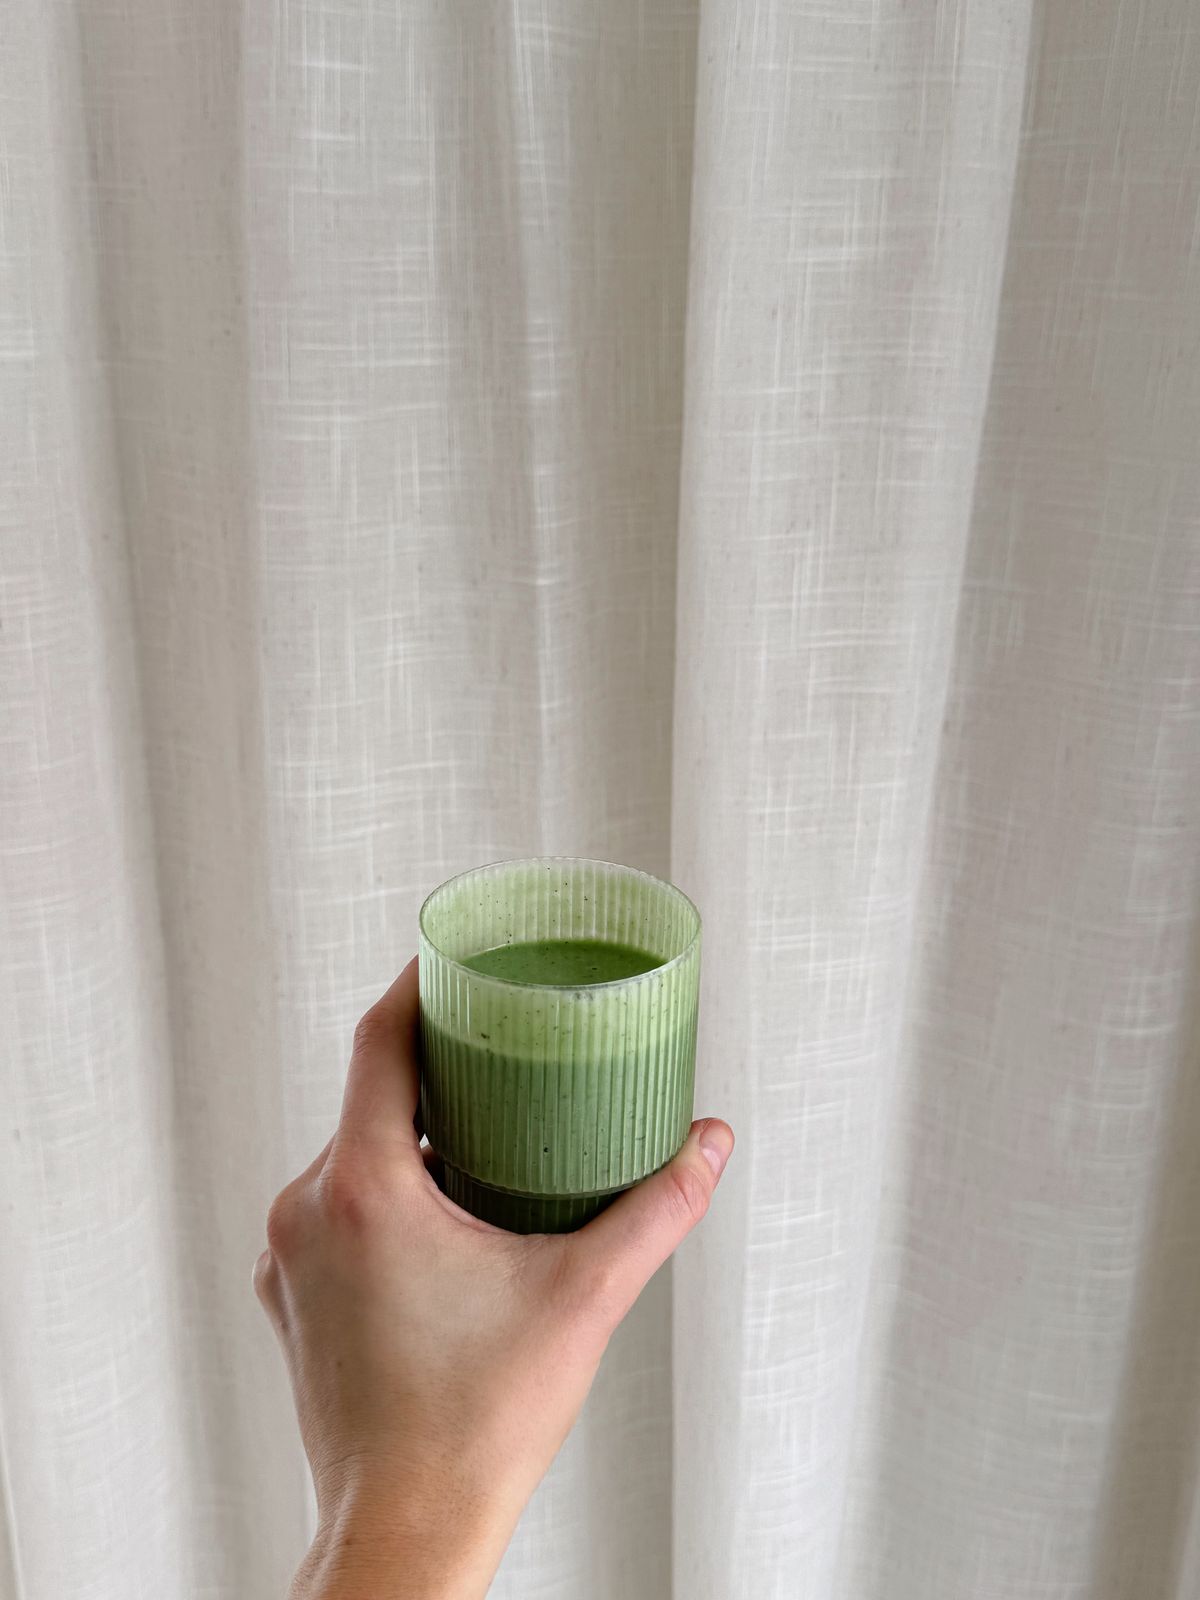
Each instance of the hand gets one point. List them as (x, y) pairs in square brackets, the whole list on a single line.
[(438, 1363)]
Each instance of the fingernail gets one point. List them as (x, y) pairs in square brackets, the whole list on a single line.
[(716, 1141)]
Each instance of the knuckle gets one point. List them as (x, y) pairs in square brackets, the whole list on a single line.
[(349, 1199), (688, 1193), (589, 1284), (600, 1282), (281, 1224), (268, 1289), (262, 1276), (374, 1028)]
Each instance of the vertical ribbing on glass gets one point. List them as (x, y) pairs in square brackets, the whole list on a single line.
[(544, 1102)]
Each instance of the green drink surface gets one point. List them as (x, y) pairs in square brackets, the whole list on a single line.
[(563, 963)]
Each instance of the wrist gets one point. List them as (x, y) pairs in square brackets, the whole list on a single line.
[(441, 1541)]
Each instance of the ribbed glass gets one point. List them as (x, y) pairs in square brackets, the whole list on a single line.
[(546, 1101)]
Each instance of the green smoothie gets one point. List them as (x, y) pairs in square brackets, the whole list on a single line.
[(558, 1008), (563, 963)]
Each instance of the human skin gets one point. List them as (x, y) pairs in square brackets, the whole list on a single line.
[(438, 1363)]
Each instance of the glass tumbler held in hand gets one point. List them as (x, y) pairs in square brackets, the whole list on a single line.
[(558, 1012)]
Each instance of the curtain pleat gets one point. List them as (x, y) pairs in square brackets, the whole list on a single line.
[(848, 247)]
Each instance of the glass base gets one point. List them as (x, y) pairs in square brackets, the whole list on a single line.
[(523, 1213)]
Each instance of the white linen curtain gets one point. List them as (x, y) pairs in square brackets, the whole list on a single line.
[(754, 441)]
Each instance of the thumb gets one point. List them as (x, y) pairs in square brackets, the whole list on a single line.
[(632, 1237)]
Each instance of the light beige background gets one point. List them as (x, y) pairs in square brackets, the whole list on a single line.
[(754, 441)]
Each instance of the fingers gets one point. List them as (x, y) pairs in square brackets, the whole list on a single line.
[(382, 1085), (379, 1105), (619, 1250)]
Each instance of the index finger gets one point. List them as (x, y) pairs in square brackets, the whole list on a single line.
[(383, 1082)]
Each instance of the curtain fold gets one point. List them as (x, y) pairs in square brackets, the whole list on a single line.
[(756, 443), (848, 247)]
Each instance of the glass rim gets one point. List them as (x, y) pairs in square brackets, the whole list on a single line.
[(556, 988)]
